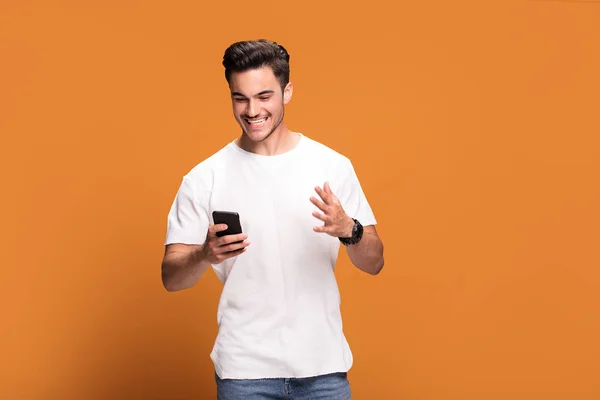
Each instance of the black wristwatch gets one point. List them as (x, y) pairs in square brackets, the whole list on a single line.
[(357, 232)]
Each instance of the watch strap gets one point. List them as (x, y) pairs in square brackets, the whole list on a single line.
[(357, 232)]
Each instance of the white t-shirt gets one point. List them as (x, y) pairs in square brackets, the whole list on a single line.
[(279, 311)]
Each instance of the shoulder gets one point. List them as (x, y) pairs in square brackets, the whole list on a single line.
[(202, 174), (326, 153)]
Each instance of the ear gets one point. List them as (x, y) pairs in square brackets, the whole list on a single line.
[(287, 92)]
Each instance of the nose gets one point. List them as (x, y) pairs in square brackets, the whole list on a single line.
[(251, 109)]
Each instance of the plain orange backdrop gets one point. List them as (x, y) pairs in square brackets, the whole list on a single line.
[(473, 127)]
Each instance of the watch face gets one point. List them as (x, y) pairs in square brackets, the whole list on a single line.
[(356, 234)]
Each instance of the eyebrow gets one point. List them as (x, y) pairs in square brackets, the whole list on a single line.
[(260, 94)]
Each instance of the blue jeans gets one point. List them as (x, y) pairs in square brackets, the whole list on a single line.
[(331, 387)]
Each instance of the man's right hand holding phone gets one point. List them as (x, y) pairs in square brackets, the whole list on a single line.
[(217, 249)]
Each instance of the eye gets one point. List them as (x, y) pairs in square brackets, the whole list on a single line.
[(239, 99), (265, 97)]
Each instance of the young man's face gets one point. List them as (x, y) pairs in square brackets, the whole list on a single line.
[(258, 101)]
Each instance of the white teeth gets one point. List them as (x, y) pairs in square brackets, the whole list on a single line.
[(257, 122)]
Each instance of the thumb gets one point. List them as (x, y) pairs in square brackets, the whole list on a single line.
[(213, 229)]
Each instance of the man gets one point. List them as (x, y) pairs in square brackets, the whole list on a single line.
[(280, 329)]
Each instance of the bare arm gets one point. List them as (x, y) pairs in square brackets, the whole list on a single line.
[(184, 264), (367, 255)]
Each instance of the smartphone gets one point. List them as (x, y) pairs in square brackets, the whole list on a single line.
[(229, 218)]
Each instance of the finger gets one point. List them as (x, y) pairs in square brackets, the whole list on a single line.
[(230, 254), (322, 194), (322, 206), (322, 217), (213, 229), (330, 195), (234, 247), (322, 228), (227, 239)]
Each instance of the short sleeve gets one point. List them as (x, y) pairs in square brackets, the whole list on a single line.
[(351, 195), (188, 219)]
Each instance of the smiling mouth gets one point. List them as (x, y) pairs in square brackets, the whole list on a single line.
[(256, 122)]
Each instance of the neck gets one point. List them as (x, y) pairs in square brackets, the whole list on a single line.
[(280, 141)]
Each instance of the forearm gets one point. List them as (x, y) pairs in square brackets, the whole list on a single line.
[(367, 254), (181, 269)]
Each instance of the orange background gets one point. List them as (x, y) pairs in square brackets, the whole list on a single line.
[(473, 127)]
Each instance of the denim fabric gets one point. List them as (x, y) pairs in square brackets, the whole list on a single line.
[(331, 387)]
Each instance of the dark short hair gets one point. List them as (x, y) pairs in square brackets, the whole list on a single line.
[(252, 54)]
